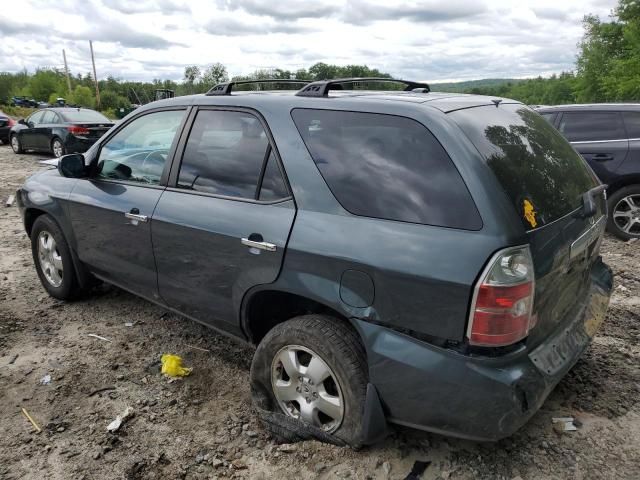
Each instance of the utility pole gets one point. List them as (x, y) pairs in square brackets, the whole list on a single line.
[(66, 69), (95, 76)]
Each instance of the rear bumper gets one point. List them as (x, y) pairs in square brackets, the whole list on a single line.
[(480, 398), (75, 144)]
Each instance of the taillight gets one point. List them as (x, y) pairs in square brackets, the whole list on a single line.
[(76, 130), (501, 310), (12, 122)]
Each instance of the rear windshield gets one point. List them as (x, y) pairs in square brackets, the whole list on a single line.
[(84, 116), (388, 167), (541, 173)]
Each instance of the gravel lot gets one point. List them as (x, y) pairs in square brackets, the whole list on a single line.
[(203, 426)]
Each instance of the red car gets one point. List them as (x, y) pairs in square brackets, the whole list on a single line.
[(6, 122)]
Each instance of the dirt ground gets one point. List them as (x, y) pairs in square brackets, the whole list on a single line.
[(203, 427)]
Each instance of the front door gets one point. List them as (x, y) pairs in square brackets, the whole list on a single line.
[(222, 225), (111, 211), (600, 137), (28, 137)]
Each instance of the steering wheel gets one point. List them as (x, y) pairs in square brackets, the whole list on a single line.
[(156, 158)]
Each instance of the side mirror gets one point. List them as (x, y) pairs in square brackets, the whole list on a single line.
[(72, 166), (22, 122)]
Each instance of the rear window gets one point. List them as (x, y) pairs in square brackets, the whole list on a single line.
[(388, 167), (541, 173), (84, 116), (632, 121)]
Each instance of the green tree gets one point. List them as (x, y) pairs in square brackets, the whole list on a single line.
[(82, 96)]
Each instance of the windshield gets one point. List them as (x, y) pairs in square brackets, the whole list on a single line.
[(84, 116), (539, 170)]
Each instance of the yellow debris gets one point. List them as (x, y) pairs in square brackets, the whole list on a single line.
[(172, 366)]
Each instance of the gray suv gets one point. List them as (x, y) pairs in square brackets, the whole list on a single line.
[(397, 257)]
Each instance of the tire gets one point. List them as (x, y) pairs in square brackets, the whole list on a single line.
[(57, 148), (336, 345), (16, 145), (624, 207), (53, 260)]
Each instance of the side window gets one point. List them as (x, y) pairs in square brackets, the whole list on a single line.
[(138, 152), (273, 186), (36, 118), (632, 122), (224, 154), (592, 126), (48, 117), (388, 167), (549, 117)]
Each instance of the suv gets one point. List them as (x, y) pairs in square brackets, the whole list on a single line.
[(608, 137), (423, 259)]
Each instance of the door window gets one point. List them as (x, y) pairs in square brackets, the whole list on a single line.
[(632, 121), (139, 151), (592, 126), (385, 166), (224, 155), (36, 118), (273, 185), (48, 117)]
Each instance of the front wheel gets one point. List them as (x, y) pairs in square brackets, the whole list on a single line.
[(311, 369), (16, 145), (624, 213), (57, 148), (52, 259)]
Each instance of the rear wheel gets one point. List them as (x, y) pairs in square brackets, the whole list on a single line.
[(624, 213), (311, 369), (57, 148), (15, 144)]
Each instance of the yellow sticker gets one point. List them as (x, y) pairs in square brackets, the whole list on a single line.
[(530, 213)]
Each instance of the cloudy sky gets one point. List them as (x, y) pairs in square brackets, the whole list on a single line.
[(433, 40)]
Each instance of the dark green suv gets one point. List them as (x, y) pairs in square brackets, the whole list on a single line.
[(397, 256)]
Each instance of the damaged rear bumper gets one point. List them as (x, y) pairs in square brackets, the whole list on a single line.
[(481, 398)]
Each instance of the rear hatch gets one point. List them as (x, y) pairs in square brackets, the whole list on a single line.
[(545, 179)]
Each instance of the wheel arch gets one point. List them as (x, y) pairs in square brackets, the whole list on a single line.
[(265, 308), (623, 181)]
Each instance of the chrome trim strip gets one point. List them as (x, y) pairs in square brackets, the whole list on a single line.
[(582, 142)]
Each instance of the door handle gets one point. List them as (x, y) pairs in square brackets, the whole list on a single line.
[(269, 247), (602, 157), (134, 214)]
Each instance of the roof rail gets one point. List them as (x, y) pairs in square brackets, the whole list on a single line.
[(226, 87), (321, 88)]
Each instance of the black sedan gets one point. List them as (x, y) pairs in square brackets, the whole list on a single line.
[(59, 131)]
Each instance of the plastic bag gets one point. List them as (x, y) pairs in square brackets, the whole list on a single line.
[(172, 366)]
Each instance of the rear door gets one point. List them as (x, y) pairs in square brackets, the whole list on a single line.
[(223, 224), (600, 137), (42, 133), (545, 179)]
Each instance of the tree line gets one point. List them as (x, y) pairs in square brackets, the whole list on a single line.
[(607, 69)]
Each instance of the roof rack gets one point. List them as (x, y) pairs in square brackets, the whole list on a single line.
[(226, 87), (321, 88)]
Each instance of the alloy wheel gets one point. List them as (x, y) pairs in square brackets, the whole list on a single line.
[(58, 149), (626, 214), (306, 388), (50, 258)]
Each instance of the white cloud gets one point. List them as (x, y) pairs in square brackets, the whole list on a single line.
[(424, 40)]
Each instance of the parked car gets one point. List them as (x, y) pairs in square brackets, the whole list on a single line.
[(59, 130), (6, 122), (398, 257), (608, 137), (21, 101)]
